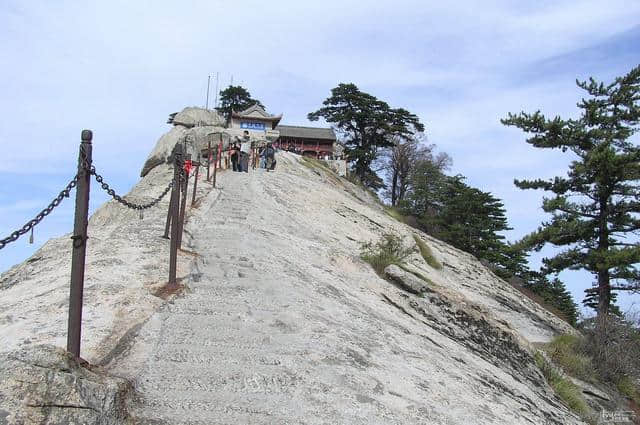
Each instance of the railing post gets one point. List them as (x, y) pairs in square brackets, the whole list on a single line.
[(173, 211), (79, 245), (195, 184), (183, 204), (209, 157), (215, 169)]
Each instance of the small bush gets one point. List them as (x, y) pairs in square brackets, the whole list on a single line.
[(426, 253), (393, 212), (627, 387), (564, 388), (614, 345), (389, 249), (569, 352)]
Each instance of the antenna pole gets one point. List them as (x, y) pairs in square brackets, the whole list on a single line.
[(208, 82)]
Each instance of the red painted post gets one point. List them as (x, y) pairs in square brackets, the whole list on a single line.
[(79, 245)]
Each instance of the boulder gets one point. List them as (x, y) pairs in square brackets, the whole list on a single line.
[(163, 148), (193, 116), (405, 280), (44, 384)]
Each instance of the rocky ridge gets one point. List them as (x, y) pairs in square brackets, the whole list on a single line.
[(280, 321)]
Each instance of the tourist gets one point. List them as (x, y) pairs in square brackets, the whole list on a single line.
[(263, 159), (233, 153), (270, 157), (245, 148)]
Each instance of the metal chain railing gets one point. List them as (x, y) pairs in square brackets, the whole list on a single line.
[(105, 186), (178, 186), (14, 236), (41, 215)]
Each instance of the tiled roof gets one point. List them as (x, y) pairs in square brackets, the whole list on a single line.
[(306, 132)]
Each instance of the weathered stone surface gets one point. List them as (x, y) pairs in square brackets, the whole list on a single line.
[(193, 116), (281, 322), (163, 148), (405, 280), (44, 385)]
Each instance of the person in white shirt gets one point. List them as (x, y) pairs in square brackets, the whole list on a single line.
[(245, 148)]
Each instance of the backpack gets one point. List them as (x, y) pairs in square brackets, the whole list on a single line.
[(269, 152)]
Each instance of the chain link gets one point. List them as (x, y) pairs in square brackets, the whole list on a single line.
[(86, 166), (41, 215), (105, 186)]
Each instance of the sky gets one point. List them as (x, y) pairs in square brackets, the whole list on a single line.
[(120, 68)]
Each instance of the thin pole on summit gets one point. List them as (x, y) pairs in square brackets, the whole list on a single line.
[(208, 82), (216, 102), (79, 245)]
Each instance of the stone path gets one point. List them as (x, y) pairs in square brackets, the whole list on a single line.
[(221, 354), (281, 323)]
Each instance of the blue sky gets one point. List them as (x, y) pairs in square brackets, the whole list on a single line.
[(120, 67)]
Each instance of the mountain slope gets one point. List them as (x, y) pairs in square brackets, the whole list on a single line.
[(280, 321), (283, 323)]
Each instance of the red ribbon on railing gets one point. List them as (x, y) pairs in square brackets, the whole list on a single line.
[(188, 166)]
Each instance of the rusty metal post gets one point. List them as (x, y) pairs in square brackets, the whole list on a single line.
[(167, 224), (183, 204), (79, 245), (215, 169), (195, 184), (209, 157), (173, 211)]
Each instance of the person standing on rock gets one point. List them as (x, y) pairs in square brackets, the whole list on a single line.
[(245, 148)]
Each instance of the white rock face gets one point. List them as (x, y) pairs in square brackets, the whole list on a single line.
[(194, 116), (281, 322)]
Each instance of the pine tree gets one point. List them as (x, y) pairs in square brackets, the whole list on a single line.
[(367, 124), (595, 207), (235, 98)]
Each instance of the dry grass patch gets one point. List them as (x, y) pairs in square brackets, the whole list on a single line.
[(426, 253)]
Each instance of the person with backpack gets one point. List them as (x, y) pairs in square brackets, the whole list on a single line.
[(233, 154), (270, 157)]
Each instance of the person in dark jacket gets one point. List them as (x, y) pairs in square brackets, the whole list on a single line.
[(270, 157), (233, 151)]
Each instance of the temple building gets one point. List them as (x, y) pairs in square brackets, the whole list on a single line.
[(310, 141), (257, 121)]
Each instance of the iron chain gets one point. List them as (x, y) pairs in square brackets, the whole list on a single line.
[(86, 166), (105, 186), (41, 215)]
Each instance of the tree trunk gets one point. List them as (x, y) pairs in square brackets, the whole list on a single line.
[(604, 287), (394, 188)]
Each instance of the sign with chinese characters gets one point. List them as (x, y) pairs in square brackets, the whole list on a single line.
[(252, 125)]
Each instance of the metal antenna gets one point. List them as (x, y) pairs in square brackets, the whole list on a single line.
[(217, 79), (208, 82)]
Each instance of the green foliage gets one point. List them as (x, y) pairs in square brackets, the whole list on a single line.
[(554, 293), (568, 392), (614, 345), (426, 253), (393, 212), (367, 124), (472, 220), (569, 352), (595, 206), (389, 249), (627, 387), (235, 98), (454, 212)]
